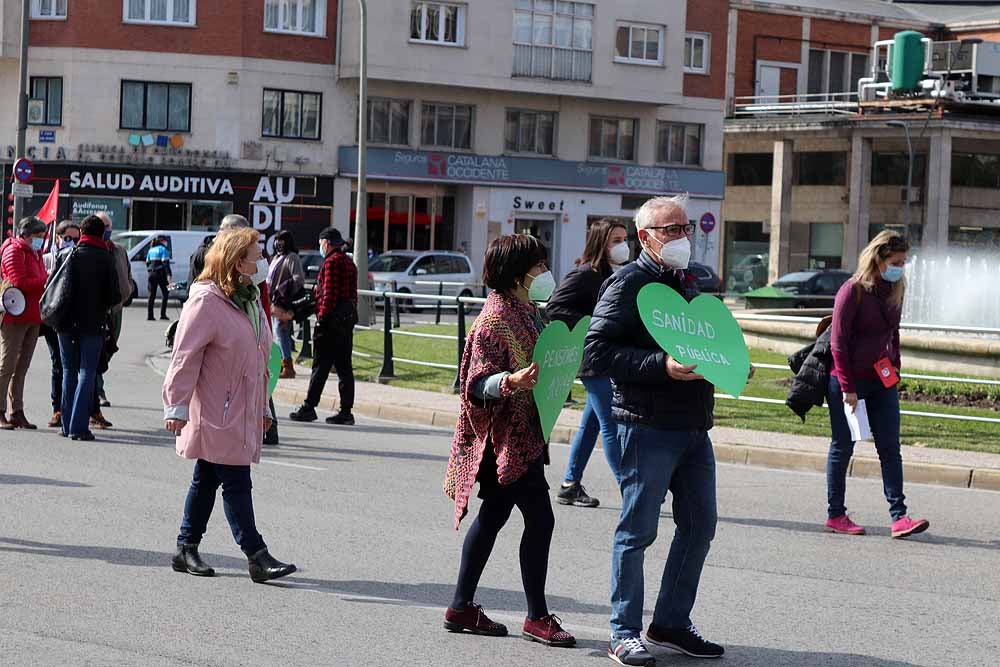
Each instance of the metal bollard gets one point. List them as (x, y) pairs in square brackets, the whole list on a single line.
[(457, 384), (307, 351), (388, 372), (437, 314)]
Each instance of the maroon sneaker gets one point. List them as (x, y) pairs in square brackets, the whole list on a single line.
[(473, 619), (547, 630)]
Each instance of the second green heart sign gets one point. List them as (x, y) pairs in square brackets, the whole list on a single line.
[(702, 332), (558, 354)]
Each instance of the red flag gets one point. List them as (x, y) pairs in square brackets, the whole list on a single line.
[(49, 213)]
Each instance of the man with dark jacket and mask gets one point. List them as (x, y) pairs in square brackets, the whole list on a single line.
[(664, 411)]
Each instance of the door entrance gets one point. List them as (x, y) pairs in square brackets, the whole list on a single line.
[(769, 83), (543, 230)]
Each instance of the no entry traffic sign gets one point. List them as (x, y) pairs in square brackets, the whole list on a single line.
[(707, 223), (24, 170)]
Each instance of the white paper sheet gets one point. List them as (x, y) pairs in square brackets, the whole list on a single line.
[(858, 421)]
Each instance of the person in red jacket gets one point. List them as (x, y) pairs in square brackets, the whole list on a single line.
[(22, 267)]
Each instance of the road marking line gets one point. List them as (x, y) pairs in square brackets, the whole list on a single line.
[(291, 465)]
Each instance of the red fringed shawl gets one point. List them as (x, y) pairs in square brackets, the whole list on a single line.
[(501, 339)]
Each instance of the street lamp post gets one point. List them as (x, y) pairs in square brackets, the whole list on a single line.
[(361, 214), (22, 106), (909, 169)]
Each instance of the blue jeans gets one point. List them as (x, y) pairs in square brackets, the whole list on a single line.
[(236, 501), (80, 354), (651, 462), (283, 335), (883, 417), (596, 420)]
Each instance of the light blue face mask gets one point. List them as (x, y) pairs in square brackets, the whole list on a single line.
[(37, 243), (893, 274)]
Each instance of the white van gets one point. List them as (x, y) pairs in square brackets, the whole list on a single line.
[(180, 244)]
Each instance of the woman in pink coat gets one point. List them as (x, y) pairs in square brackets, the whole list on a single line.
[(215, 399)]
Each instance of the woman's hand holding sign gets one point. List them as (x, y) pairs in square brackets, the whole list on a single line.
[(524, 379)]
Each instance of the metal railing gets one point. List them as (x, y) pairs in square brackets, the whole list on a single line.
[(795, 104), (388, 373)]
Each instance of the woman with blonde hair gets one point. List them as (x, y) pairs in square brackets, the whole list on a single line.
[(215, 399), (866, 362)]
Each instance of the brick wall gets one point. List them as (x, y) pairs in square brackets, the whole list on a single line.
[(776, 36), (712, 17), (840, 36), (224, 28)]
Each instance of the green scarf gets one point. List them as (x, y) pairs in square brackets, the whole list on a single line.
[(247, 297)]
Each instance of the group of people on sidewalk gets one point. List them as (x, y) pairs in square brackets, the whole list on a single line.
[(653, 415)]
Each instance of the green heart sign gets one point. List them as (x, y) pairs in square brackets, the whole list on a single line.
[(274, 368), (702, 332), (558, 354)]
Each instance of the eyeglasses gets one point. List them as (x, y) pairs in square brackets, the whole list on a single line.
[(676, 231)]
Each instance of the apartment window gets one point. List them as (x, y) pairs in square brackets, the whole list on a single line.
[(49, 91), (696, 53), (832, 72), (149, 105), (291, 114), (173, 12), (48, 9), (639, 44), (446, 126), (972, 170), (892, 168), (822, 168), (679, 143), (301, 17), (437, 23), (389, 122), (553, 39), (530, 131), (612, 138), (752, 169)]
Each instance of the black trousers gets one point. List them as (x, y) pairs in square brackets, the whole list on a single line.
[(332, 348), (157, 280)]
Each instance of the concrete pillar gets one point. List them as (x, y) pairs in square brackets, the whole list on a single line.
[(938, 191), (858, 221), (781, 210)]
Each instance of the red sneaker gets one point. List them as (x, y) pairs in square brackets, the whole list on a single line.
[(473, 619), (844, 526), (547, 630), (905, 526)]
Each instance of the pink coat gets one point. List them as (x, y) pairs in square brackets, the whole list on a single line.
[(218, 379)]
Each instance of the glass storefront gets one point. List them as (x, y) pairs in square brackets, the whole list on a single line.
[(747, 253), (409, 218), (826, 245)]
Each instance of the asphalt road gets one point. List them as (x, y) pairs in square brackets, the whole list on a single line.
[(87, 531)]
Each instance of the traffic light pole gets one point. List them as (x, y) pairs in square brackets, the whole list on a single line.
[(22, 109)]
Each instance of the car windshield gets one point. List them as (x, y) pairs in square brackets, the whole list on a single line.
[(128, 241), (390, 263), (794, 278)]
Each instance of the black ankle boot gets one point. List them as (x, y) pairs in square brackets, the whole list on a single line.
[(187, 560), (264, 567)]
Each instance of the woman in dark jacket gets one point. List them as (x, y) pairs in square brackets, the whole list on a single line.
[(865, 346), (285, 279), (574, 299)]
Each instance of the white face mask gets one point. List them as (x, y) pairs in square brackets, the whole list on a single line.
[(675, 254), (542, 286), (260, 275), (619, 253)]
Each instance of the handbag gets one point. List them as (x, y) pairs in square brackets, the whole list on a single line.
[(303, 306), (56, 300)]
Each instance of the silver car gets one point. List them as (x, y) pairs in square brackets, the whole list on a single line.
[(415, 272)]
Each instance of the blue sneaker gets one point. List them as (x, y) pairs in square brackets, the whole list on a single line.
[(630, 651)]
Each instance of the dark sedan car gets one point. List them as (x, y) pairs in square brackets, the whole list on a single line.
[(709, 281), (801, 289)]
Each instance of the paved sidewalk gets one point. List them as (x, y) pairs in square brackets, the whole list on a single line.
[(776, 450)]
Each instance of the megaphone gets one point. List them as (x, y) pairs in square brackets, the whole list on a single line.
[(12, 300)]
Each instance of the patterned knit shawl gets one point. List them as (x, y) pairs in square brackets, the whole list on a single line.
[(501, 339)]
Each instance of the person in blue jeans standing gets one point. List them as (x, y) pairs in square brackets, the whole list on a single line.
[(93, 282), (663, 411), (605, 251)]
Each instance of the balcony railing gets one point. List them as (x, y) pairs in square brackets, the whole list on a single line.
[(793, 105), (551, 62)]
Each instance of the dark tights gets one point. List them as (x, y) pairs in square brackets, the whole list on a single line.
[(536, 508)]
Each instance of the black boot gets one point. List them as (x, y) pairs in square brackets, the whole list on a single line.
[(305, 413), (264, 567), (187, 560)]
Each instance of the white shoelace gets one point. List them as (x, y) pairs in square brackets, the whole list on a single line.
[(633, 644), (694, 631)]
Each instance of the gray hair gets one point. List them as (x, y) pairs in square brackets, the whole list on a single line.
[(105, 218), (233, 221), (646, 215), (30, 226)]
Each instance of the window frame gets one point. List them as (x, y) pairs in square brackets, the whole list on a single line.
[(633, 25), (281, 114), (190, 23), (62, 96), (453, 105), (461, 21), (520, 110), (36, 12), (706, 53), (672, 124), (619, 120), (409, 121), (572, 48), (322, 6), (145, 97), (824, 78)]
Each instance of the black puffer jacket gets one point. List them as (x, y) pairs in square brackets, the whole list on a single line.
[(94, 288), (618, 346), (811, 365)]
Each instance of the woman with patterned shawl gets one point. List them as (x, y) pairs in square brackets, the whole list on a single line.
[(499, 443)]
